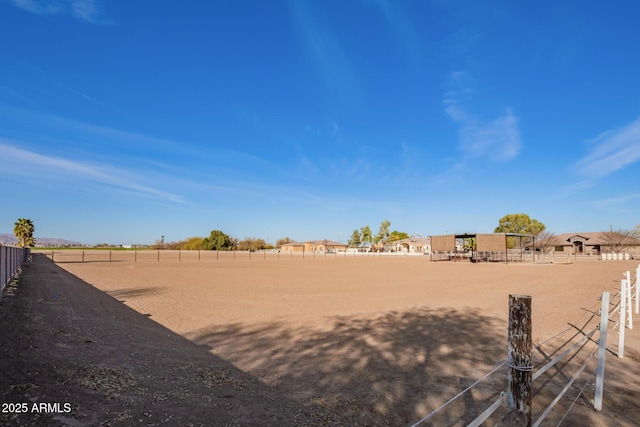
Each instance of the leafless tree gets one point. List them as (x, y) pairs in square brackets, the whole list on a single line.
[(545, 241), (251, 244), (617, 240)]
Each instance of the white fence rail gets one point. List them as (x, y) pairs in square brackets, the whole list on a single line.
[(11, 258)]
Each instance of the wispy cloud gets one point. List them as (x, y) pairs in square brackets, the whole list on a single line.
[(614, 201), (138, 151), (16, 159), (611, 151), (28, 86), (84, 10), (454, 172), (325, 49), (497, 140), (402, 25)]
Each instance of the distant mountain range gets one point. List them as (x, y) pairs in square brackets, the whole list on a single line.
[(10, 239)]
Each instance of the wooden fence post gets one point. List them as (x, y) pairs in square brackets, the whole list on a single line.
[(520, 346), (602, 351)]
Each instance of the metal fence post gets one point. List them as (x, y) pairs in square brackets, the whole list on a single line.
[(3, 269), (630, 314), (602, 351), (11, 258), (623, 315)]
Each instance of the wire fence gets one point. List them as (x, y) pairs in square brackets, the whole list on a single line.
[(11, 258), (568, 368), (166, 255)]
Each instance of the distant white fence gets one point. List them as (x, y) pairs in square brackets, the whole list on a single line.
[(580, 351), (11, 258)]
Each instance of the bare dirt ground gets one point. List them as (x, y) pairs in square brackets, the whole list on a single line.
[(292, 342)]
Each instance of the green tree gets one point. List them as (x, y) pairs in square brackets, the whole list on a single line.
[(217, 241), (397, 235), (367, 236), (383, 232), (470, 244), (23, 229), (519, 224), (356, 239), (192, 244)]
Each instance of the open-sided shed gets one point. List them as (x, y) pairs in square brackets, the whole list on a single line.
[(480, 247)]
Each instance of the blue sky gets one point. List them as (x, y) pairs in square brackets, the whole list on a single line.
[(124, 121)]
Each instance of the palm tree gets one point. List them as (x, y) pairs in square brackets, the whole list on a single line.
[(23, 230)]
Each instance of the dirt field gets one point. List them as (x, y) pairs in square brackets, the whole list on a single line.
[(292, 341)]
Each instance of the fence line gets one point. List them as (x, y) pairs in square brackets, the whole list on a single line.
[(175, 255), (11, 258), (570, 352), (609, 309)]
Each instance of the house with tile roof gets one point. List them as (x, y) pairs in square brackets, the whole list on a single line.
[(411, 245), (319, 246), (596, 243)]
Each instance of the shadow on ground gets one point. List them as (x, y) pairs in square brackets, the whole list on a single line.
[(387, 370), (576, 350), (64, 341)]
